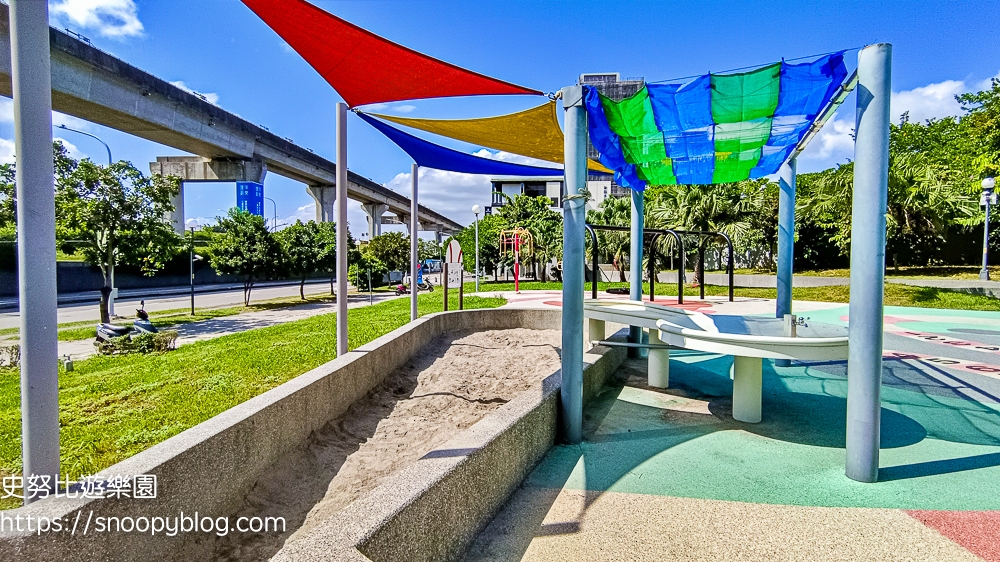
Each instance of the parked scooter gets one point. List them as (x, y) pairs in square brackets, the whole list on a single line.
[(142, 325), (404, 289)]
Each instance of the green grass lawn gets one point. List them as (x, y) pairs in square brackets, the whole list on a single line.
[(928, 272), (895, 293), (164, 319), (112, 407)]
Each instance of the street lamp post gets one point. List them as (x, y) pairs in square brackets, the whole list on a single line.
[(475, 210), (989, 198), (114, 291), (191, 258), (106, 147), (275, 215)]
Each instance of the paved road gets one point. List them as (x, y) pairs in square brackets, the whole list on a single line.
[(127, 306)]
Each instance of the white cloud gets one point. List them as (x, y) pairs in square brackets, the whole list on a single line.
[(209, 97), (73, 151), (304, 213), (404, 108), (375, 106), (110, 18), (6, 151), (450, 193), (932, 101)]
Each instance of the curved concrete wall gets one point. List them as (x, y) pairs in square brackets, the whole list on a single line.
[(210, 467)]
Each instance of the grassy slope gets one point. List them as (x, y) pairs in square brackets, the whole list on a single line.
[(114, 407), (895, 293)]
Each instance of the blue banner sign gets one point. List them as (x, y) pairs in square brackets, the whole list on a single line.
[(250, 197)]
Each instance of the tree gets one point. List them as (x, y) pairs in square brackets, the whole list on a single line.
[(735, 209), (490, 227), (392, 249), (544, 224), (119, 214), (245, 248), (428, 250), (982, 127), (613, 247), (303, 250)]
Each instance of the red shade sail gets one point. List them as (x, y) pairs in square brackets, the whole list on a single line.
[(365, 68)]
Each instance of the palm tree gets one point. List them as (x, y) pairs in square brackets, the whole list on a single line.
[(613, 246), (735, 209)]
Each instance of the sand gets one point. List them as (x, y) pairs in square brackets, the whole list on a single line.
[(454, 382)]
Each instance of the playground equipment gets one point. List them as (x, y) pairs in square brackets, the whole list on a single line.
[(748, 339), (513, 240), (654, 234)]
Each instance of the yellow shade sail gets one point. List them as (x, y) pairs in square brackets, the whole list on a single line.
[(533, 132)]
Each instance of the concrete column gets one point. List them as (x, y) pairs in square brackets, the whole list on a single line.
[(341, 229), (635, 265), (325, 196), (36, 232), (176, 217), (438, 236), (574, 218), (747, 387), (658, 366), (871, 177), (374, 212)]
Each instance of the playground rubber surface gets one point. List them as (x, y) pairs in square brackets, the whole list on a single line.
[(668, 474)]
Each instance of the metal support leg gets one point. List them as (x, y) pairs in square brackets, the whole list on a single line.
[(747, 385), (571, 393), (36, 233), (341, 229), (659, 362), (871, 176)]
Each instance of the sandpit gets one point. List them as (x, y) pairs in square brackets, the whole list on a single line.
[(459, 378)]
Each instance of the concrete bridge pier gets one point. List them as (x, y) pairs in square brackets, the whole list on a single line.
[(324, 196), (199, 169), (374, 212)]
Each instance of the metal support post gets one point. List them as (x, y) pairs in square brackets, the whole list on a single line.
[(635, 265), (871, 175), (414, 227), (341, 229), (786, 242), (36, 234), (786, 236), (574, 204)]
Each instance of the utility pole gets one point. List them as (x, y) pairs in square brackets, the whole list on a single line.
[(191, 256)]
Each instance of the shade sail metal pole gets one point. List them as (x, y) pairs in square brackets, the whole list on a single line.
[(414, 206), (574, 224), (871, 175), (341, 228), (635, 263), (36, 235), (786, 242)]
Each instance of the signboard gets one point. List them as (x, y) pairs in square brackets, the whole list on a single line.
[(250, 197), (454, 275), (454, 252)]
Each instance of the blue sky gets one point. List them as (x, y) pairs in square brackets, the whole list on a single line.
[(221, 49)]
